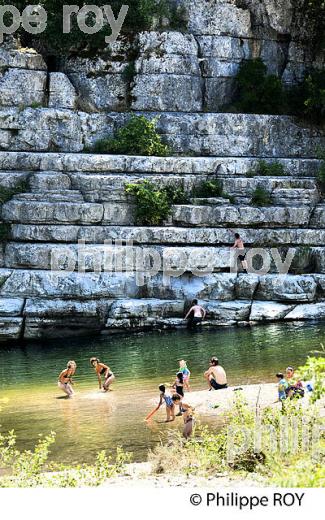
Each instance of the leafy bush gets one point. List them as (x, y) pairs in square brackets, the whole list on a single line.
[(265, 169), (261, 197), (137, 137), (32, 469), (208, 189), (314, 370), (152, 204), (142, 15), (6, 194), (176, 195), (307, 100), (258, 92)]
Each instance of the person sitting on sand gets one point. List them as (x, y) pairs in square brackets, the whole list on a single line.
[(195, 315), (282, 386), (216, 375), (188, 415), (239, 244), (65, 379), (102, 370), (186, 374), (294, 386)]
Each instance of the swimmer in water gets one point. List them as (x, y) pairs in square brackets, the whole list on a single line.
[(102, 370), (65, 379)]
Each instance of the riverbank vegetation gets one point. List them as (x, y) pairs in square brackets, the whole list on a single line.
[(32, 468)]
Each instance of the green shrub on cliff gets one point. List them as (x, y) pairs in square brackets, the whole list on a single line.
[(267, 169), (7, 193), (307, 100), (261, 197), (153, 205), (258, 92), (208, 189), (4, 232), (138, 137)]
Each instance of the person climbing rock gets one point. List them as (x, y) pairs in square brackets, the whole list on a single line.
[(239, 244), (195, 315)]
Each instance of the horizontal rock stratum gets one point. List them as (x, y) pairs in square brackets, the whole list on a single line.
[(74, 259)]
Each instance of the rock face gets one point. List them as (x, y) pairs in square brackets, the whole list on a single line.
[(73, 258), (228, 135), (121, 276), (168, 70)]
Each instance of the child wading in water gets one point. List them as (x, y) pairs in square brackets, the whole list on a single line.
[(170, 407), (102, 370), (179, 388), (65, 379), (187, 412), (186, 374)]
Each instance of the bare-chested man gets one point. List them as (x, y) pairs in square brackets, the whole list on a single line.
[(239, 244), (216, 375), (195, 315)]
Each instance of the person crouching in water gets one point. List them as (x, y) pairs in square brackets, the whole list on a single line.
[(65, 379), (188, 415), (102, 370), (167, 399)]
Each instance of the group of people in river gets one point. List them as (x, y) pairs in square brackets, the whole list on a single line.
[(216, 378), (103, 372), (173, 397)]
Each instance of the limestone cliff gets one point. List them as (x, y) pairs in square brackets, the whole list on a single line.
[(50, 114)]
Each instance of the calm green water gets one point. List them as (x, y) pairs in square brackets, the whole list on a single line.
[(32, 404)]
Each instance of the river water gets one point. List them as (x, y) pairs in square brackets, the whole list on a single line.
[(32, 404)]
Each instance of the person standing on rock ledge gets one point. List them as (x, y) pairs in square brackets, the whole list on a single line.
[(239, 244), (216, 375)]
